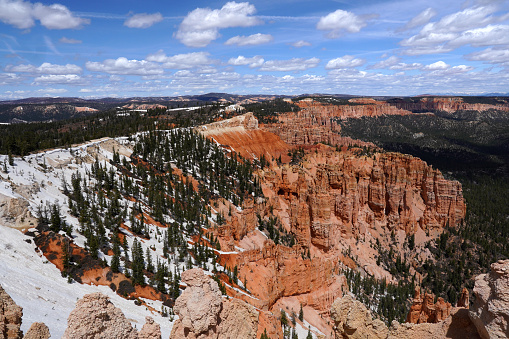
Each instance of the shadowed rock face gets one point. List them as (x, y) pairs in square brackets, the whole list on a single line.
[(203, 314), (10, 317), (490, 312)]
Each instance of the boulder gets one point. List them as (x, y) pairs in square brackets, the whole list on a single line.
[(490, 311), (95, 316)]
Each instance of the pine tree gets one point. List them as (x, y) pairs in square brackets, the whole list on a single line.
[(301, 313), (115, 261), (138, 264)]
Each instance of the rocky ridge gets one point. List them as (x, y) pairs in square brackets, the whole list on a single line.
[(447, 104)]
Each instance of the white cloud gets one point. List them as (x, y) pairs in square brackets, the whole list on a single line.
[(491, 56), (439, 65), (339, 21), (253, 62), (180, 61), (347, 61), (485, 36), (58, 79), (301, 43), (390, 61), (470, 26), (251, 40), (201, 26), (143, 20), (16, 13), (22, 14), (65, 40), (295, 64), (125, 66), (57, 16), (421, 19), (45, 68)]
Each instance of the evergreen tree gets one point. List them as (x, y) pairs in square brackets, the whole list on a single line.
[(137, 264)]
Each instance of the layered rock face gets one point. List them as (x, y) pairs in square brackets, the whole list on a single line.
[(242, 135), (96, 317), (342, 196), (10, 317), (317, 121), (425, 310), (490, 311), (203, 314), (450, 105)]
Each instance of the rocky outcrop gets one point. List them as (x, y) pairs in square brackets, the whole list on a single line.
[(203, 314), (37, 331), (490, 311), (151, 329), (96, 317), (352, 320), (425, 310), (10, 317)]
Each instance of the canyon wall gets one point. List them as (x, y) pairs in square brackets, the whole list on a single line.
[(446, 104), (318, 121)]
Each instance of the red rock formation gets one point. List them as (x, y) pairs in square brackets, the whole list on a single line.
[(10, 317), (446, 104), (464, 299), (242, 135), (344, 195), (317, 121), (425, 310)]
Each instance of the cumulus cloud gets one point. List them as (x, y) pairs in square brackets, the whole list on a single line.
[(143, 20), (251, 40), (339, 21), (125, 66), (45, 68), (474, 25), (65, 40), (253, 62), (22, 14), (180, 61), (295, 64), (201, 26), (421, 19), (301, 43), (347, 61), (439, 65)]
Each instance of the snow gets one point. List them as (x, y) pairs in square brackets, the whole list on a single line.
[(37, 286)]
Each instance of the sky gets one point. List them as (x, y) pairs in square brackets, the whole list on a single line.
[(113, 48)]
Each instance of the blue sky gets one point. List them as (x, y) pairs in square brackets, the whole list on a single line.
[(166, 48)]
